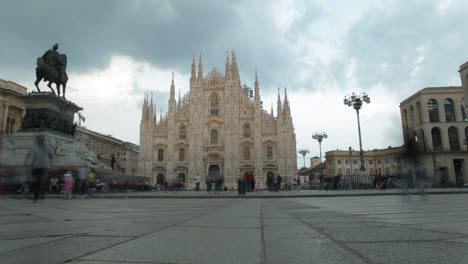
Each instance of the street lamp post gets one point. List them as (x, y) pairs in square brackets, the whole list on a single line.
[(356, 101), (303, 152), (319, 136)]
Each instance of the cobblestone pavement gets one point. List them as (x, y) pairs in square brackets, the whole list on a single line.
[(361, 229)]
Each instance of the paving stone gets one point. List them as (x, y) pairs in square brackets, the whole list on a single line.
[(189, 245)]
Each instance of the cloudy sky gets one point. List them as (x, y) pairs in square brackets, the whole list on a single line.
[(319, 50)]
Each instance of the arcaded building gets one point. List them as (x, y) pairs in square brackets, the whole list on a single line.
[(218, 128), (436, 118)]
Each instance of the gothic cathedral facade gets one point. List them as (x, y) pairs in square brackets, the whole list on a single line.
[(217, 129)]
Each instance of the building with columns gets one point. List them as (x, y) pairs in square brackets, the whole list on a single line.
[(435, 118), (384, 162), (12, 107), (217, 128)]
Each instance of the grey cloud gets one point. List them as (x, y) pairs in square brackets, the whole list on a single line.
[(164, 33)]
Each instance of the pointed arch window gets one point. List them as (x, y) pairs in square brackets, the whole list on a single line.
[(182, 132), (181, 154), (214, 136), (454, 141), (269, 152), (246, 130), (160, 154), (433, 109), (247, 152), (419, 109), (436, 138), (449, 108), (214, 103)]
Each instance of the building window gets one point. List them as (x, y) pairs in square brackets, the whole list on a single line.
[(406, 117), (247, 152), (182, 132), (269, 152), (160, 154), (433, 110), (453, 139), (181, 154), (387, 171), (466, 136), (371, 162), (246, 130), (214, 105), (338, 161), (418, 106), (340, 172), (436, 138), (463, 110), (371, 171), (413, 120), (355, 161), (214, 136), (379, 161), (348, 172), (449, 108), (356, 171), (387, 160)]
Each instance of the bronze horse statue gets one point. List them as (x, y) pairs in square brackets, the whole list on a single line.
[(52, 74)]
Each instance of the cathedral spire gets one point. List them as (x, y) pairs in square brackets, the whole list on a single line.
[(278, 105), (151, 105), (257, 89), (228, 67), (172, 100), (194, 69), (235, 69), (143, 111), (271, 112), (200, 69)]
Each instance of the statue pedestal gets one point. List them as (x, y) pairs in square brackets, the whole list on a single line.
[(51, 117), (47, 112)]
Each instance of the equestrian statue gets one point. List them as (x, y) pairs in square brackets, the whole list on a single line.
[(52, 68)]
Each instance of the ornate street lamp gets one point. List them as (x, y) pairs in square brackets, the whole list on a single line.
[(356, 101), (319, 136), (303, 152)]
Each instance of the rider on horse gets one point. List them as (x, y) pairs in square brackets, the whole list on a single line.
[(51, 67)]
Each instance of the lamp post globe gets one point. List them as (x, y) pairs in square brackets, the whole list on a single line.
[(356, 101), (320, 136)]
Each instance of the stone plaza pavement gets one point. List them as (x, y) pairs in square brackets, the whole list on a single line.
[(358, 229)]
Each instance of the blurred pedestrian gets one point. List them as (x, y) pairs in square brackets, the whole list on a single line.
[(197, 182), (83, 177), (67, 185), (40, 157), (421, 178), (91, 180)]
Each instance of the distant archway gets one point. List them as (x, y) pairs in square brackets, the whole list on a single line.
[(160, 178)]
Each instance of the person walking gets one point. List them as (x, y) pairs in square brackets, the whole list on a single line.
[(83, 178), (298, 186), (197, 182), (40, 156), (67, 185)]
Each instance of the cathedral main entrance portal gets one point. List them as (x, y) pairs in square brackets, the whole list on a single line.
[(213, 172)]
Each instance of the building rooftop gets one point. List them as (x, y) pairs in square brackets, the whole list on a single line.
[(433, 90), (12, 87)]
